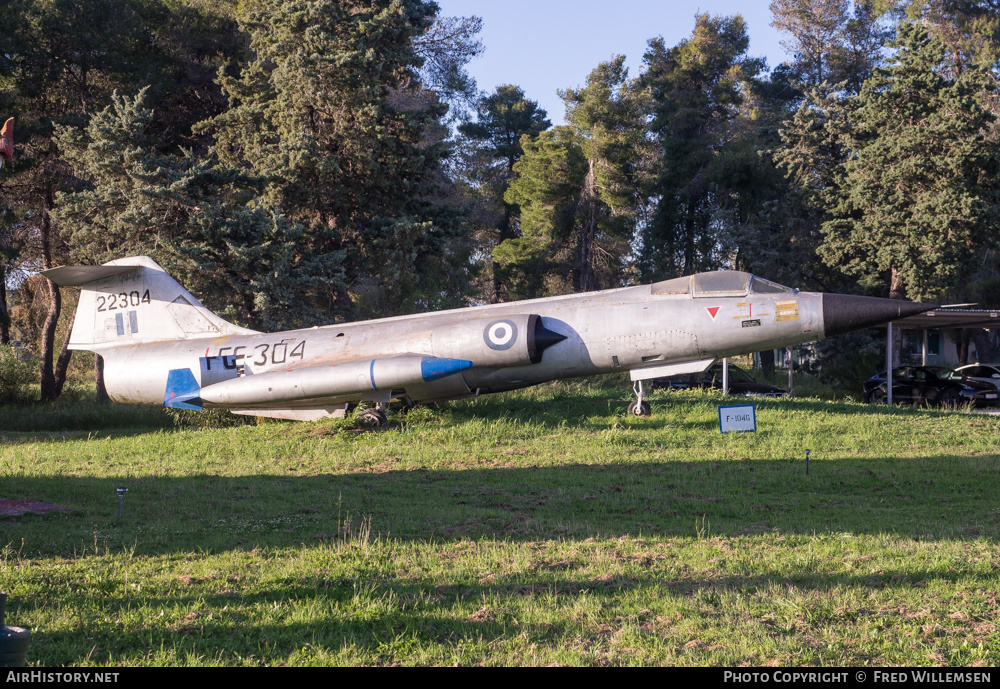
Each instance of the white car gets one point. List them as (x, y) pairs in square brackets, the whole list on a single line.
[(987, 373)]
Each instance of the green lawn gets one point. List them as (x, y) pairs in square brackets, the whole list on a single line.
[(532, 528)]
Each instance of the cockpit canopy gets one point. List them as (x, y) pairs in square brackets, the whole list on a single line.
[(720, 283)]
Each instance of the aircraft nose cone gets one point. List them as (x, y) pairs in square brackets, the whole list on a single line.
[(843, 313), (545, 338)]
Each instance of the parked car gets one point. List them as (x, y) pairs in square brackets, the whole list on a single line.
[(740, 382), (985, 373), (931, 385)]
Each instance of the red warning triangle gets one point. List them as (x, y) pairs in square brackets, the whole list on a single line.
[(712, 311)]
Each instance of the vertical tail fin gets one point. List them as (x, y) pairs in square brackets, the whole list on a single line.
[(132, 301)]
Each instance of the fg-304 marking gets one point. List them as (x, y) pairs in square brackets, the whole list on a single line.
[(279, 353)]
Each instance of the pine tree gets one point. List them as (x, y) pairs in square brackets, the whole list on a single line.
[(580, 189), (969, 30), (610, 115), (60, 61), (833, 41), (191, 214), (503, 117), (548, 185), (918, 192), (697, 90), (329, 110)]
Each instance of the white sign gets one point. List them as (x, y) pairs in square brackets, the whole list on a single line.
[(738, 417)]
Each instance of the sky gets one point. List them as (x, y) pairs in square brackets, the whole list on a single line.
[(546, 45)]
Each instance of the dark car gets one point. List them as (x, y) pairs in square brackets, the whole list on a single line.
[(931, 385), (740, 382)]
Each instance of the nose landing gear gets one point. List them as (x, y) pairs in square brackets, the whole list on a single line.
[(639, 407)]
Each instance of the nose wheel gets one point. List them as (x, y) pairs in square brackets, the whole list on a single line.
[(639, 407)]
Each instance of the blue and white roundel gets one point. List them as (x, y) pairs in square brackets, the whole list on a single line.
[(500, 335)]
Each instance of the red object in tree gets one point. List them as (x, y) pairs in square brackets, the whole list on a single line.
[(7, 140)]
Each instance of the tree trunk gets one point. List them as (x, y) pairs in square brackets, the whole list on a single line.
[(342, 305), (102, 392), (896, 291), (689, 241), (48, 379), (987, 349), (4, 311), (62, 363), (499, 288), (587, 279), (499, 294), (963, 347), (767, 362)]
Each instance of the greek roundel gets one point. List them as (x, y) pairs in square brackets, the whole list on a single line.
[(500, 335)]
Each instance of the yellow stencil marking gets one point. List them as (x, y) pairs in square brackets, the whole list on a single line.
[(786, 310)]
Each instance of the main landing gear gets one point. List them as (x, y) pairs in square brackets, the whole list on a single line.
[(639, 407), (373, 418)]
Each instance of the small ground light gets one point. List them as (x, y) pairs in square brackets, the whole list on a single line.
[(121, 496), (807, 462)]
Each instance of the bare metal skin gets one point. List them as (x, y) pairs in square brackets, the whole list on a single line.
[(161, 346)]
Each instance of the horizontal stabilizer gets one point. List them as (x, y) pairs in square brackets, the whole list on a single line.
[(77, 276), (183, 391)]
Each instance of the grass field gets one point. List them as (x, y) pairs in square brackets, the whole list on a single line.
[(541, 527)]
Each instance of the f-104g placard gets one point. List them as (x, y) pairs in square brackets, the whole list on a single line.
[(738, 417)]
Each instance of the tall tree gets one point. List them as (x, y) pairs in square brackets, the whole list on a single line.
[(814, 29), (832, 41), (697, 89), (329, 110), (60, 61), (502, 118), (579, 189), (918, 194), (969, 30), (446, 47), (193, 215), (609, 113), (810, 151), (547, 187)]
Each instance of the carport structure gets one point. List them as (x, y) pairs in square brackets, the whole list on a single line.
[(938, 318)]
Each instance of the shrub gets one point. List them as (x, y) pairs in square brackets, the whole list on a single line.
[(17, 374)]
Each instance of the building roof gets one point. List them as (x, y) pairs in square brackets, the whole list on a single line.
[(952, 318)]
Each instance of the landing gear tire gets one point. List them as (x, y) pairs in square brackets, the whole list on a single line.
[(372, 418), (639, 409)]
